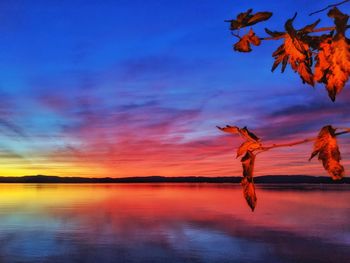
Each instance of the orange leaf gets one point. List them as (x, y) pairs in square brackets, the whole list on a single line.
[(248, 146), (326, 148), (245, 19), (243, 45), (295, 51), (247, 181), (333, 64), (248, 135), (229, 129), (244, 132)]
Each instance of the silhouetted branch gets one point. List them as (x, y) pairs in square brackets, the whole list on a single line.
[(290, 144), (343, 132), (329, 6), (321, 29)]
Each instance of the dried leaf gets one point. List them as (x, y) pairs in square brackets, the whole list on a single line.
[(340, 20), (333, 64), (248, 135), (295, 51), (274, 33), (333, 59), (244, 132), (247, 19), (229, 129), (326, 148), (243, 45), (248, 146), (311, 27), (259, 17), (247, 181)]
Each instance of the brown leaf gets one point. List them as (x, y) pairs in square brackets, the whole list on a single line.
[(248, 135), (311, 27), (274, 33), (326, 148), (245, 19), (229, 129), (247, 181), (295, 51), (253, 39), (259, 17), (244, 132), (333, 64), (244, 16), (243, 45), (340, 20), (248, 146)]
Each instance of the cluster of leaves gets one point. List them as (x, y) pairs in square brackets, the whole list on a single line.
[(323, 58), (325, 147)]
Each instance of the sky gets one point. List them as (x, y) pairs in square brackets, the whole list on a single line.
[(136, 88)]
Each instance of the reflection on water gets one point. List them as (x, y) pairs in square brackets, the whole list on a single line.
[(171, 223)]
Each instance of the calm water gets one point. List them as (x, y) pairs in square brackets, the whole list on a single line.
[(172, 223)]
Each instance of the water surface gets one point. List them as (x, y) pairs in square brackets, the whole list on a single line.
[(172, 223)]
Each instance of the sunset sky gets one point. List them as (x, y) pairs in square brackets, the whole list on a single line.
[(135, 88)]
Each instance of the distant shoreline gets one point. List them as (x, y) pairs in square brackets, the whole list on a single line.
[(267, 179)]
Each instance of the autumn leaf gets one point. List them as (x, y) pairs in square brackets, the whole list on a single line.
[(274, 33), (311, 27), (247, 181), (243, 132), (294, 51), (245, 19), (248, 135), (248, 146), (259, 17), (243, 45), (333, 59), (229, 129), (340, 20), (326, 148)]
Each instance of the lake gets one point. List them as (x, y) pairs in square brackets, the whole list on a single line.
[(172, 223)]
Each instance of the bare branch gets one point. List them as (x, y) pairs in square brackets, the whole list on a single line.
[(290, 144), (235, 35), (321, 29), (329, 6), (343, 132)]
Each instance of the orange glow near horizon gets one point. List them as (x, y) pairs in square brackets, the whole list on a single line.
[(216, 159)]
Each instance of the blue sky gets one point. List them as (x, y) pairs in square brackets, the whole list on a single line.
[(101, 87)]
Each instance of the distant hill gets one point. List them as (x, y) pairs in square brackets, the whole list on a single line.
[(268, 179)]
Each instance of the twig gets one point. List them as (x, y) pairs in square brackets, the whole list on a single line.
[(343, 132), (264, 149), (321, 29), (329, 6), (235, 35), (272, 38)]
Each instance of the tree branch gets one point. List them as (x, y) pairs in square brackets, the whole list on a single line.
[(347, 130), (263, 149), (266, 148), (321, 29), (329, 6)]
